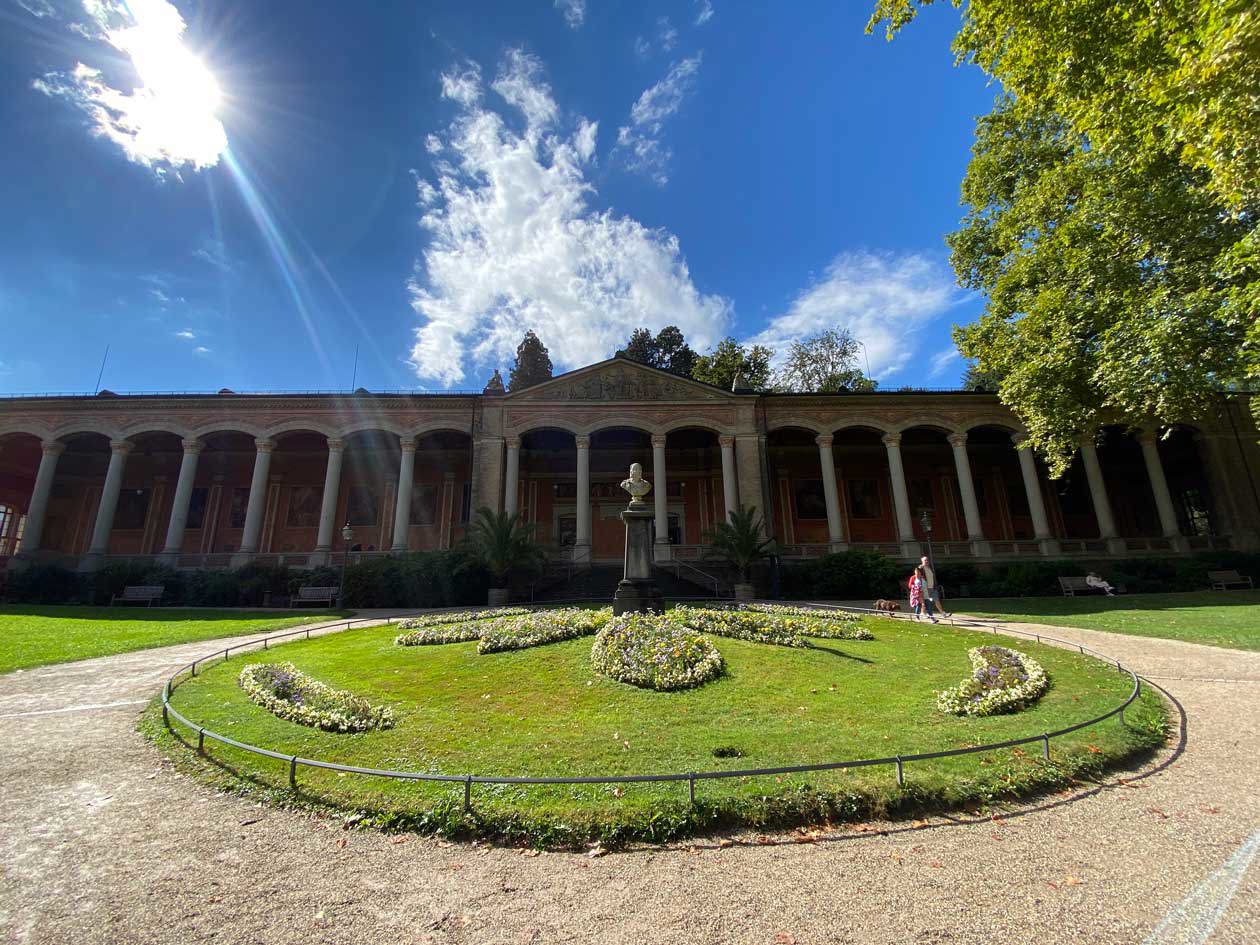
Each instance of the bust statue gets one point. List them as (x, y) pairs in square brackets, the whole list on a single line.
[(636, 485)]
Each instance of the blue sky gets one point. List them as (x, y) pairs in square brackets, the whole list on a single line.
[(238, 194)]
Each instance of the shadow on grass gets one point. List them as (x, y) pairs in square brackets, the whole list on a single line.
[(834, 652), (164, 614), (1102, 604)]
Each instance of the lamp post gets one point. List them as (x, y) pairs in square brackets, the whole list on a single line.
[(346, 534), (925, 520)]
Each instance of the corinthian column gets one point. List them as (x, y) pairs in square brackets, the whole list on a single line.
[(1098, 495), (512, 475), (402, 501), (252, 532), (179, 506), (835, 537), (901, 498), (1036, 502), (582, 541), (1159, 487), (37, 511), (660, 498), (730, 497), (119, 450), (328, 504), (967, 488)]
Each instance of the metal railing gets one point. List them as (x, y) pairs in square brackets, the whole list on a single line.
[(898, 762), (694, 575)]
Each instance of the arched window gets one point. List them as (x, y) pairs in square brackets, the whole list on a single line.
[(12, 523)]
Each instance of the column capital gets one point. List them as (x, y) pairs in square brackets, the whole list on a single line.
[(263, 445), (582, 441), (192, 446), (824, 440), (53, 447), (1147, 436), (336, 444), (121, 446), (1019, 440), (891, 440), (957, 440), (512, 442), (658, 441), (407, 444), (726, 441)]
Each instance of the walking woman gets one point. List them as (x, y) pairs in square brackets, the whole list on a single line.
[(919, 600)]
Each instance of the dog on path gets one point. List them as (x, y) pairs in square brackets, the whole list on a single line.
[(886, 606)]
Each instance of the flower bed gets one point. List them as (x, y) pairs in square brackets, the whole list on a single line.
[(809, 622), (654, 652), (459, 616), (288, 693), (738, 624), (535, 629), (1002, 680), (440, 633)]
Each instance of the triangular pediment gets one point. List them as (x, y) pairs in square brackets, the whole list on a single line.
[(620, 380)]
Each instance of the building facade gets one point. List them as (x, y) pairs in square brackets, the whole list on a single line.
[(220, 480)]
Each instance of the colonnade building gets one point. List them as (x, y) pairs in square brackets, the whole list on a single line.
[(219, 480)]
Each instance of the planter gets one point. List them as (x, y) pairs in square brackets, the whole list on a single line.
[(745, 592), (497, 596)]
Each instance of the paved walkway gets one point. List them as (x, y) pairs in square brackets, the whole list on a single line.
[(102, 842)]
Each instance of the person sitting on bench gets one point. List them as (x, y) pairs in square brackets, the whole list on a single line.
[(1096, 582)]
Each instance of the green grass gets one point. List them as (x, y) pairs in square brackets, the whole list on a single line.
[(1217, 618), (37, 636), (544, 711)]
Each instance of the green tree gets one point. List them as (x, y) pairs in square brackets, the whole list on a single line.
[(720, 366), (668, 351), (740, 541), (502, 544), (823, 364), (975, 379), (1112, 200), (532, 365)]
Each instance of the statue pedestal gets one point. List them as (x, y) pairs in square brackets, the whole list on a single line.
[(637, 592)]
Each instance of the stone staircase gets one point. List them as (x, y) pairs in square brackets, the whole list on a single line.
[(600, 583)]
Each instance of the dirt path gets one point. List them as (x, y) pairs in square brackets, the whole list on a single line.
[(99, 842)]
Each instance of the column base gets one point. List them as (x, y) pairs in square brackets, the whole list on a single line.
[(911, 549), (662, 551), (241, 558), (837, 547), (168, 559), (581, 553), (980, 548), (1050, 547), (319, 558), (399, 550), (1116, 546), (642, 597), (92, 561), (1178, 542)]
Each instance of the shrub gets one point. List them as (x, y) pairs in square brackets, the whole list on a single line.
[(1001, 680), (288, 693), (44, 584), (845, 575), (419, 579), (654, 652)]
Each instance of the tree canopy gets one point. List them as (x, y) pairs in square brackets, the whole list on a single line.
[(668, 351), (823, 364), (532, 365), (730, 358), (1111, 205)]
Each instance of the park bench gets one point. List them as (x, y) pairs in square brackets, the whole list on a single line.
[(1071, 586), (1223, 580), (139, 592), (313, 595)]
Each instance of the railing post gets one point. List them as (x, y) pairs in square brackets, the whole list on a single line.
[(901, 774), (293, 772), (201, 741), (166, 719), (691, 788), (1045, 747), (467, 793), (194, 667)]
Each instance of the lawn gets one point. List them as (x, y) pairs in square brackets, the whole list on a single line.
[(1217, 618), (543, 711), (36, 636)]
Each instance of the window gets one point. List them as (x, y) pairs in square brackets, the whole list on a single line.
[(362, 506), (921, 496), (811, 502), (304, 506), (132, 508), (564, 490), (197, 508), (566, 530), (864, 498), (240, 502), (424, 502), (1192, 513)]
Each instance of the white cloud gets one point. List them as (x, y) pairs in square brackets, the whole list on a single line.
[(201, 349), (884, 299), (168, 121), (642, 47), (186, 334), (162, 297), (213, 251), (574, 12), (516, 245), (942, 360), (38, 8), (705, 13), (666, 34), (639, 143)]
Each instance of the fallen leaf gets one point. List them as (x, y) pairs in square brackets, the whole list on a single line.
[(725, 843), (784, 938), (529, 853), (341, 843), (1093, 749), (1073, 881), (936, 865), (215, 899), (398, 840), (252, 820), (919, 824), (595, 851), (443, 844), (1210, 810), (1157, 812)]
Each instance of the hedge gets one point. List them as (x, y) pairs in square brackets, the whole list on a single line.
[(417, 580)]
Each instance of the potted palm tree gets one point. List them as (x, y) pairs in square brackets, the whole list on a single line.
[(741, 542), (501, 543)]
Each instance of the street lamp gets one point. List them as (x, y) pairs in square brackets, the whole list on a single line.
[(346, 534), (925, 521)]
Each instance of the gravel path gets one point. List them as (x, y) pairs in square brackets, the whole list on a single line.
[(101, 842)]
